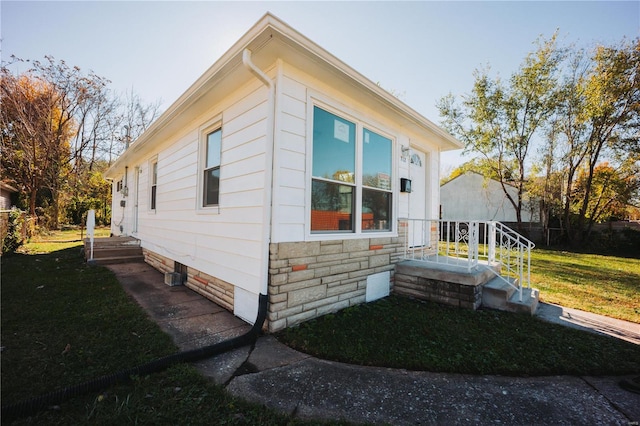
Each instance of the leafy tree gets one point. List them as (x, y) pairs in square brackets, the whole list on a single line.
[(59, 127), (583, 105), (610, 189), (35, 132), (498, 121), (89, 191), (597, 118)]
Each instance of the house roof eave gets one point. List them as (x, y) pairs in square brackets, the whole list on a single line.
[(266, 40)]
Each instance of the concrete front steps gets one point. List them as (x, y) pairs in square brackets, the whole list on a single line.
[(453, 285), (107, 251), (497, 294)]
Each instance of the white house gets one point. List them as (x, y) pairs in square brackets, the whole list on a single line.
[(280, 171), (471, 196)]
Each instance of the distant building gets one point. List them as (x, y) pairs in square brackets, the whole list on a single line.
[(471, 196), (5, 195)]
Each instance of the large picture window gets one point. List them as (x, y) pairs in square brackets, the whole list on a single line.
[(211, 178), (333, 170), (351, 164)]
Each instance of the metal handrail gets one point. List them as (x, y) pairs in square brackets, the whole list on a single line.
[(467, 244)]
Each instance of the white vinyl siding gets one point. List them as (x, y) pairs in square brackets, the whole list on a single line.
[(226, 244), (290, 162), (290, 210)]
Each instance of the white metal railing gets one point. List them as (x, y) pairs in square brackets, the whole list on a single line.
[(468, 244)]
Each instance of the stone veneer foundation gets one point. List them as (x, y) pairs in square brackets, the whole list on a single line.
[(214, 289), (310, 279)]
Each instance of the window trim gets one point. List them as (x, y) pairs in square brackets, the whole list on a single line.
[(362, 122), (204, 131)]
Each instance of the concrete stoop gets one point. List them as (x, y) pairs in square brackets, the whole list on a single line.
[(452, 285), (113, 250)]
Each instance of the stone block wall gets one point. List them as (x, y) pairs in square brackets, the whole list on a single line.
[(310, 279), (214, 289), (462, 295)]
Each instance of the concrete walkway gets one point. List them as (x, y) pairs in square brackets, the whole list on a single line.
[(593, 323), (277, 376)]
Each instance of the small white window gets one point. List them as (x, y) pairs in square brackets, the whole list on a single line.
[(154, 183), (211, 172)]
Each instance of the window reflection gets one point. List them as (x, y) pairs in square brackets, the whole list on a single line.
[(333, 147), (376, 167), (331, 206), (376, 210), (337, 153)]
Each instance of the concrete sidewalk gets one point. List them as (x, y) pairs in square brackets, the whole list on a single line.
[(587, 321), (277, 376)]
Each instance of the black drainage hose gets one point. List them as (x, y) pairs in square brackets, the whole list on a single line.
[(35, 404)]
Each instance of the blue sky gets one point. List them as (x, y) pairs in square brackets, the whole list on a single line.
[(420, 50)]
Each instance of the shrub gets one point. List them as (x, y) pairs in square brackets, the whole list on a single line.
[(13, 239)]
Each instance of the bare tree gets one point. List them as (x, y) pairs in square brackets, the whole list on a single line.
[(57, 124)]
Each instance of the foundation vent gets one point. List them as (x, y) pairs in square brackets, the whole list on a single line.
[(173, 278)]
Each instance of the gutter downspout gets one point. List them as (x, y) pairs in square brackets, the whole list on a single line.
[(269, 166)]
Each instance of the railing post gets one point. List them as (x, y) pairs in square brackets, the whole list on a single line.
[(521, 270), (492, 242), (472, 249), (528, 265)]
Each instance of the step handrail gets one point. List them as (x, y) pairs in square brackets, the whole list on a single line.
[(465, 244), (509, 241)]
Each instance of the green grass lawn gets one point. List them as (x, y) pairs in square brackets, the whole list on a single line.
[(425, 336), (405, 333), (64, 322), (605, 285)]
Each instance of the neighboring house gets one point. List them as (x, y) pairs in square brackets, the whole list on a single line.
[(5, 196), (279, 172), (471, 196), (5, 207)]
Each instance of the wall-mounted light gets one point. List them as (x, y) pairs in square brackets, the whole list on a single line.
[(405, 185), (405, 153)]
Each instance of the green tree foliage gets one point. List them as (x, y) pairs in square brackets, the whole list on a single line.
[(60, 128), (483, 166), (89, 191), (597, 118), (581, 109), (498, 120), (609, 191), (13, 238)]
